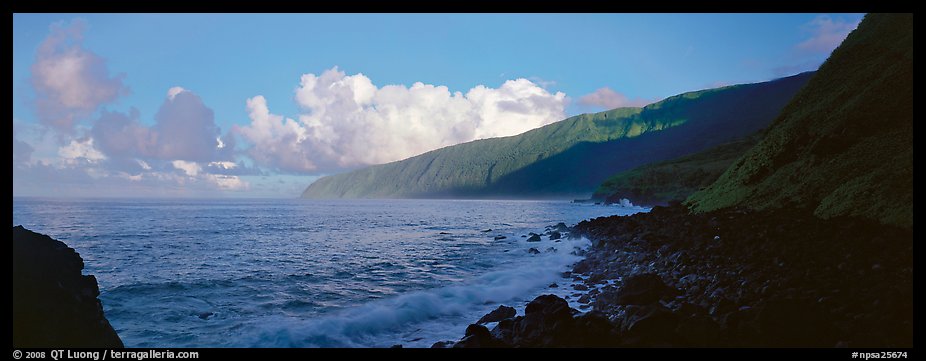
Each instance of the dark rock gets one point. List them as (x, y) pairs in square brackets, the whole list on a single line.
[(585, 299), (584, 266), (534, 238), (555, 235), (547, 322), (592, 329), (701, 331), (553, 285), (741, 328), (795, 323), (486, 230), (444, 233), (722, 307), (561, 227), (650, 325), (580, 287), (477, 336), (53, 304), (442, 344), (550, 250), (533, 250), (205, 315), (642, 289), (500, 313), (500, 237)]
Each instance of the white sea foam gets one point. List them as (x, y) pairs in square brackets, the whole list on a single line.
[(431, 315)]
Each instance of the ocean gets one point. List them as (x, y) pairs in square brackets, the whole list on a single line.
[(308, 273)]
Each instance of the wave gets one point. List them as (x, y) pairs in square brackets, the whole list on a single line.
[(360, 326)]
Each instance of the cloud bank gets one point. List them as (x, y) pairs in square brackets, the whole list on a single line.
[(184, 129), (70, 81), (348, 121)]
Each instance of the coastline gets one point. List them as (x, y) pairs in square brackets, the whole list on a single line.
[(728, 278), (54, 305)]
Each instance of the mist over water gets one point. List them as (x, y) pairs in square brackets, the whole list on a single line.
[(300, 273)]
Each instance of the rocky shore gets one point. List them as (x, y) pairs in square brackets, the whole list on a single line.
[(729, 278), (54, 305)]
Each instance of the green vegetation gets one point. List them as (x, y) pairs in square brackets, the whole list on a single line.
[(673, 180), (844, 144), (572, 157)]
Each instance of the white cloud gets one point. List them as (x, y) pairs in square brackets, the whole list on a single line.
[(349, 121), (81, 150), (224, 165), (172, 92), (826, 34), (227, 182), (609, 99), (144, 165), (69, 81), (190, 168)]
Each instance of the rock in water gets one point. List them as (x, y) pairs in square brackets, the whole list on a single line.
[(53, 304), (500, 313), (555, 235), (534, 238)]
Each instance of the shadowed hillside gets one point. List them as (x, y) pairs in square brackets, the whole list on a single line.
[(844, 144)]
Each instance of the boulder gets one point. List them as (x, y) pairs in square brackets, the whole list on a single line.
[(477, 336), (500, 313), (643, 289)]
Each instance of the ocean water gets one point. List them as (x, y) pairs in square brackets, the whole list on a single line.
[(301, 273)]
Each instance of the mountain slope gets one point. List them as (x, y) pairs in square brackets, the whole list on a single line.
[(571, 157), (674, 179), (844, 144)]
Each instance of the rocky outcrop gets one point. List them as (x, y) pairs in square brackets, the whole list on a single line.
[(54, 305), (500, 313), (740, 278), (730, 278)]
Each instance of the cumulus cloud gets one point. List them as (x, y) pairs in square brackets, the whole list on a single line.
[(70, 81), (826, 34), (184, 129), (348, 121), (182, 154), (190, 168), (609, 99), (81, 150)]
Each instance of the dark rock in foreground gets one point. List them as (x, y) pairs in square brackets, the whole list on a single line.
[(500, 313), (780, 278), (643, 289), (53, 304)]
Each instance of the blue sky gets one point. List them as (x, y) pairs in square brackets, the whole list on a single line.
[(244, 78)]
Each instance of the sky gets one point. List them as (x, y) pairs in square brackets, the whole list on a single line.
[(261, 105)]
